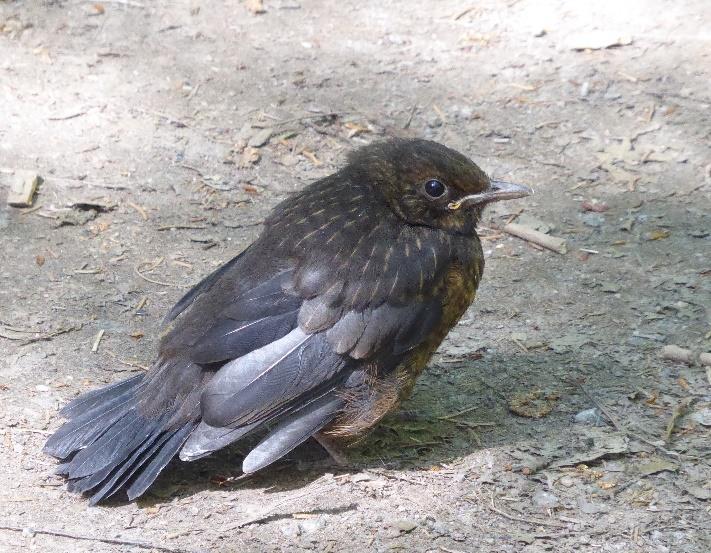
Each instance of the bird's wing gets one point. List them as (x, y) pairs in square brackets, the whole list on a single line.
[(285, 332), (200, 288), (288, 345)]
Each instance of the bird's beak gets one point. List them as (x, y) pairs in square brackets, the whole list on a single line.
[(497, 190)]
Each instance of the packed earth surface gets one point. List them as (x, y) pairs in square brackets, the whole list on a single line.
[(164, 131)]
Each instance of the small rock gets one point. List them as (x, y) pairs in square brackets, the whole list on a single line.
[(545, 500), (702, 416), (566, 481), (590, 416), (592, 219), (590, 508), (291, 530), (458, 536), (610, 287), (405, 526), (434, 121), (28, 532), (261, 138), (42, 388), (310, 525)]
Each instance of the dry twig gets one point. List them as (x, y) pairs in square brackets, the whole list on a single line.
[(679, 411), (97, 341), (522, 519), (552, 243), (620, 428), (114, 541)]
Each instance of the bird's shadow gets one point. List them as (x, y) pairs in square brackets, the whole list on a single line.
[(458, 408)]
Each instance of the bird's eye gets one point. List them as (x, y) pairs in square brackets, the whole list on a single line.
[(434, 188)]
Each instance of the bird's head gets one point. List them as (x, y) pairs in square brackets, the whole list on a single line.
[(426, 183)]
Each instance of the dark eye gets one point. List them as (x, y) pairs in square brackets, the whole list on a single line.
[(434, 188)]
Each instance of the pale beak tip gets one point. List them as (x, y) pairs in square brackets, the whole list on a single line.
[(502, 190)]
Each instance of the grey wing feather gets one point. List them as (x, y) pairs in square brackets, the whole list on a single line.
[(292, 431), (205, 439), (259, 385)]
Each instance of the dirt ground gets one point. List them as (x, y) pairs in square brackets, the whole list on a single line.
[(165, 130)]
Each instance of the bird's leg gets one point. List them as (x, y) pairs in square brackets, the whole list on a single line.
[(332, 447)]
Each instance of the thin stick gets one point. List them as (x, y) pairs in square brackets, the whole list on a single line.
[(604, 410), (521, 519), (679, 411), (181, 227), (681, 355), (409, 119), (553, 243), (315, 116), (65, 117), (47, 337), (142, 544), (97, 340), (465, 12), (141, 210), (629, 433), (152, 266), (127, 363)]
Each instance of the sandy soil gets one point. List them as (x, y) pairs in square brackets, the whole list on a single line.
[(165, 131)]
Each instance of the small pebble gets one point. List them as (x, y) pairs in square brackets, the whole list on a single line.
[(545, 500), (566, 481), (405, 525), (593, 219), (590, 416)]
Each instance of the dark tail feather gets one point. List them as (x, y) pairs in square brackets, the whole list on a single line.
[(158, 460), (89, 400), (85, 428), (108, 445)]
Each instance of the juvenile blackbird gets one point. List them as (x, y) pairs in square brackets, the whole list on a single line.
[(319, 328)]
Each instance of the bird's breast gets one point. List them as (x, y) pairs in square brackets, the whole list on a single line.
[(460, 283)]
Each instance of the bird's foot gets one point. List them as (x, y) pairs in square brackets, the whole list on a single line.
[(332, 447)]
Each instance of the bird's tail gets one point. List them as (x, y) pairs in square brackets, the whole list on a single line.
[(112, 442)]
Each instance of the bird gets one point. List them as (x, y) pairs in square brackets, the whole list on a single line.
[(318, 328)]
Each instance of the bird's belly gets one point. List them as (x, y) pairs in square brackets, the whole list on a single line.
[(460, 293)]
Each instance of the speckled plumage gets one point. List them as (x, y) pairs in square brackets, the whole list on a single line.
[(322, 325)]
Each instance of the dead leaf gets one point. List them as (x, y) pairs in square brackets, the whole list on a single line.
[(355, 129), (594, 206), (657, 234), (308, 154), (534, 404), (250, 156), (255, 6)]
